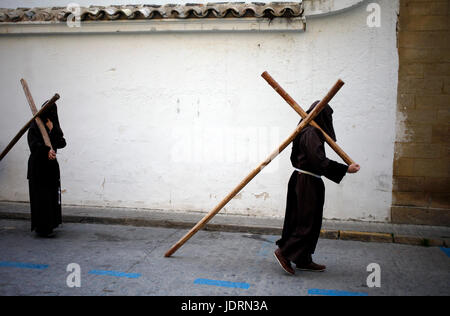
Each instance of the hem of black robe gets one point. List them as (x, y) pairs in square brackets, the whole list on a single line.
[(52, 227)]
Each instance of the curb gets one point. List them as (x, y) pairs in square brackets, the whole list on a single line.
[(263, 230), (385, 238), (367, 237), (146, 222)]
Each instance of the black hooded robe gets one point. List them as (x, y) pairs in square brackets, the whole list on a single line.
[(44, 176), (306, 193)]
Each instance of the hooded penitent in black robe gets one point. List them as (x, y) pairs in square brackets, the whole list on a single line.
[(306, 193), (44, 175)]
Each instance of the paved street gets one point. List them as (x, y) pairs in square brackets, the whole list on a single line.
[(127, 260)]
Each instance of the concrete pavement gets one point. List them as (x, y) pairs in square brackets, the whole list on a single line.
[(128, 260)]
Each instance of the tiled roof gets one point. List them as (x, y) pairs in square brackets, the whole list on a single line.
[(143, 12)]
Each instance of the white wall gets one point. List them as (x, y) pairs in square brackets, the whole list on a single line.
[(132, 105)]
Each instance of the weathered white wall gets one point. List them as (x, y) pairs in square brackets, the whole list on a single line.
[(132, 106)]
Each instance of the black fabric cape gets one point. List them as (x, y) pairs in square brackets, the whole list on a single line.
[(44, 176), (306, 193)]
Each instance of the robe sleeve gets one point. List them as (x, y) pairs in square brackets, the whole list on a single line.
[(316, 157), (35, 141), (57, 138)]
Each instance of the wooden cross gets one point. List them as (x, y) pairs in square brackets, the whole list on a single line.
[(39, 122), (303, 114), (258, 169), (35, 117)]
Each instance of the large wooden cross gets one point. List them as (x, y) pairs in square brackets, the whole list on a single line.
[(307, 119), (303, 114), (36, 117)]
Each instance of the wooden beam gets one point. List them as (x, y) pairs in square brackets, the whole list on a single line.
[(27, 125), (39, 122), (303, 114), (258, 169)]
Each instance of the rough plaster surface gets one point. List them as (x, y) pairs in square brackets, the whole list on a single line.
[(175, 121)]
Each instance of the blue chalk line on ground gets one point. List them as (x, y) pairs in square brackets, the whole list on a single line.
[(115, 273), (239, 285), (23, 265), (335, 293), (446, 251)]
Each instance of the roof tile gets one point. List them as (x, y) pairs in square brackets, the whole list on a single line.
[(169, 11)]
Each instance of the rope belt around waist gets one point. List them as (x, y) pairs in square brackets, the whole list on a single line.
[(309, 173)]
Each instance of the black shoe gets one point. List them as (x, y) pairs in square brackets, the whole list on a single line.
[(46, 234)]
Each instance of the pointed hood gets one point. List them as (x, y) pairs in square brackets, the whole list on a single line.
[(324, 119)]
